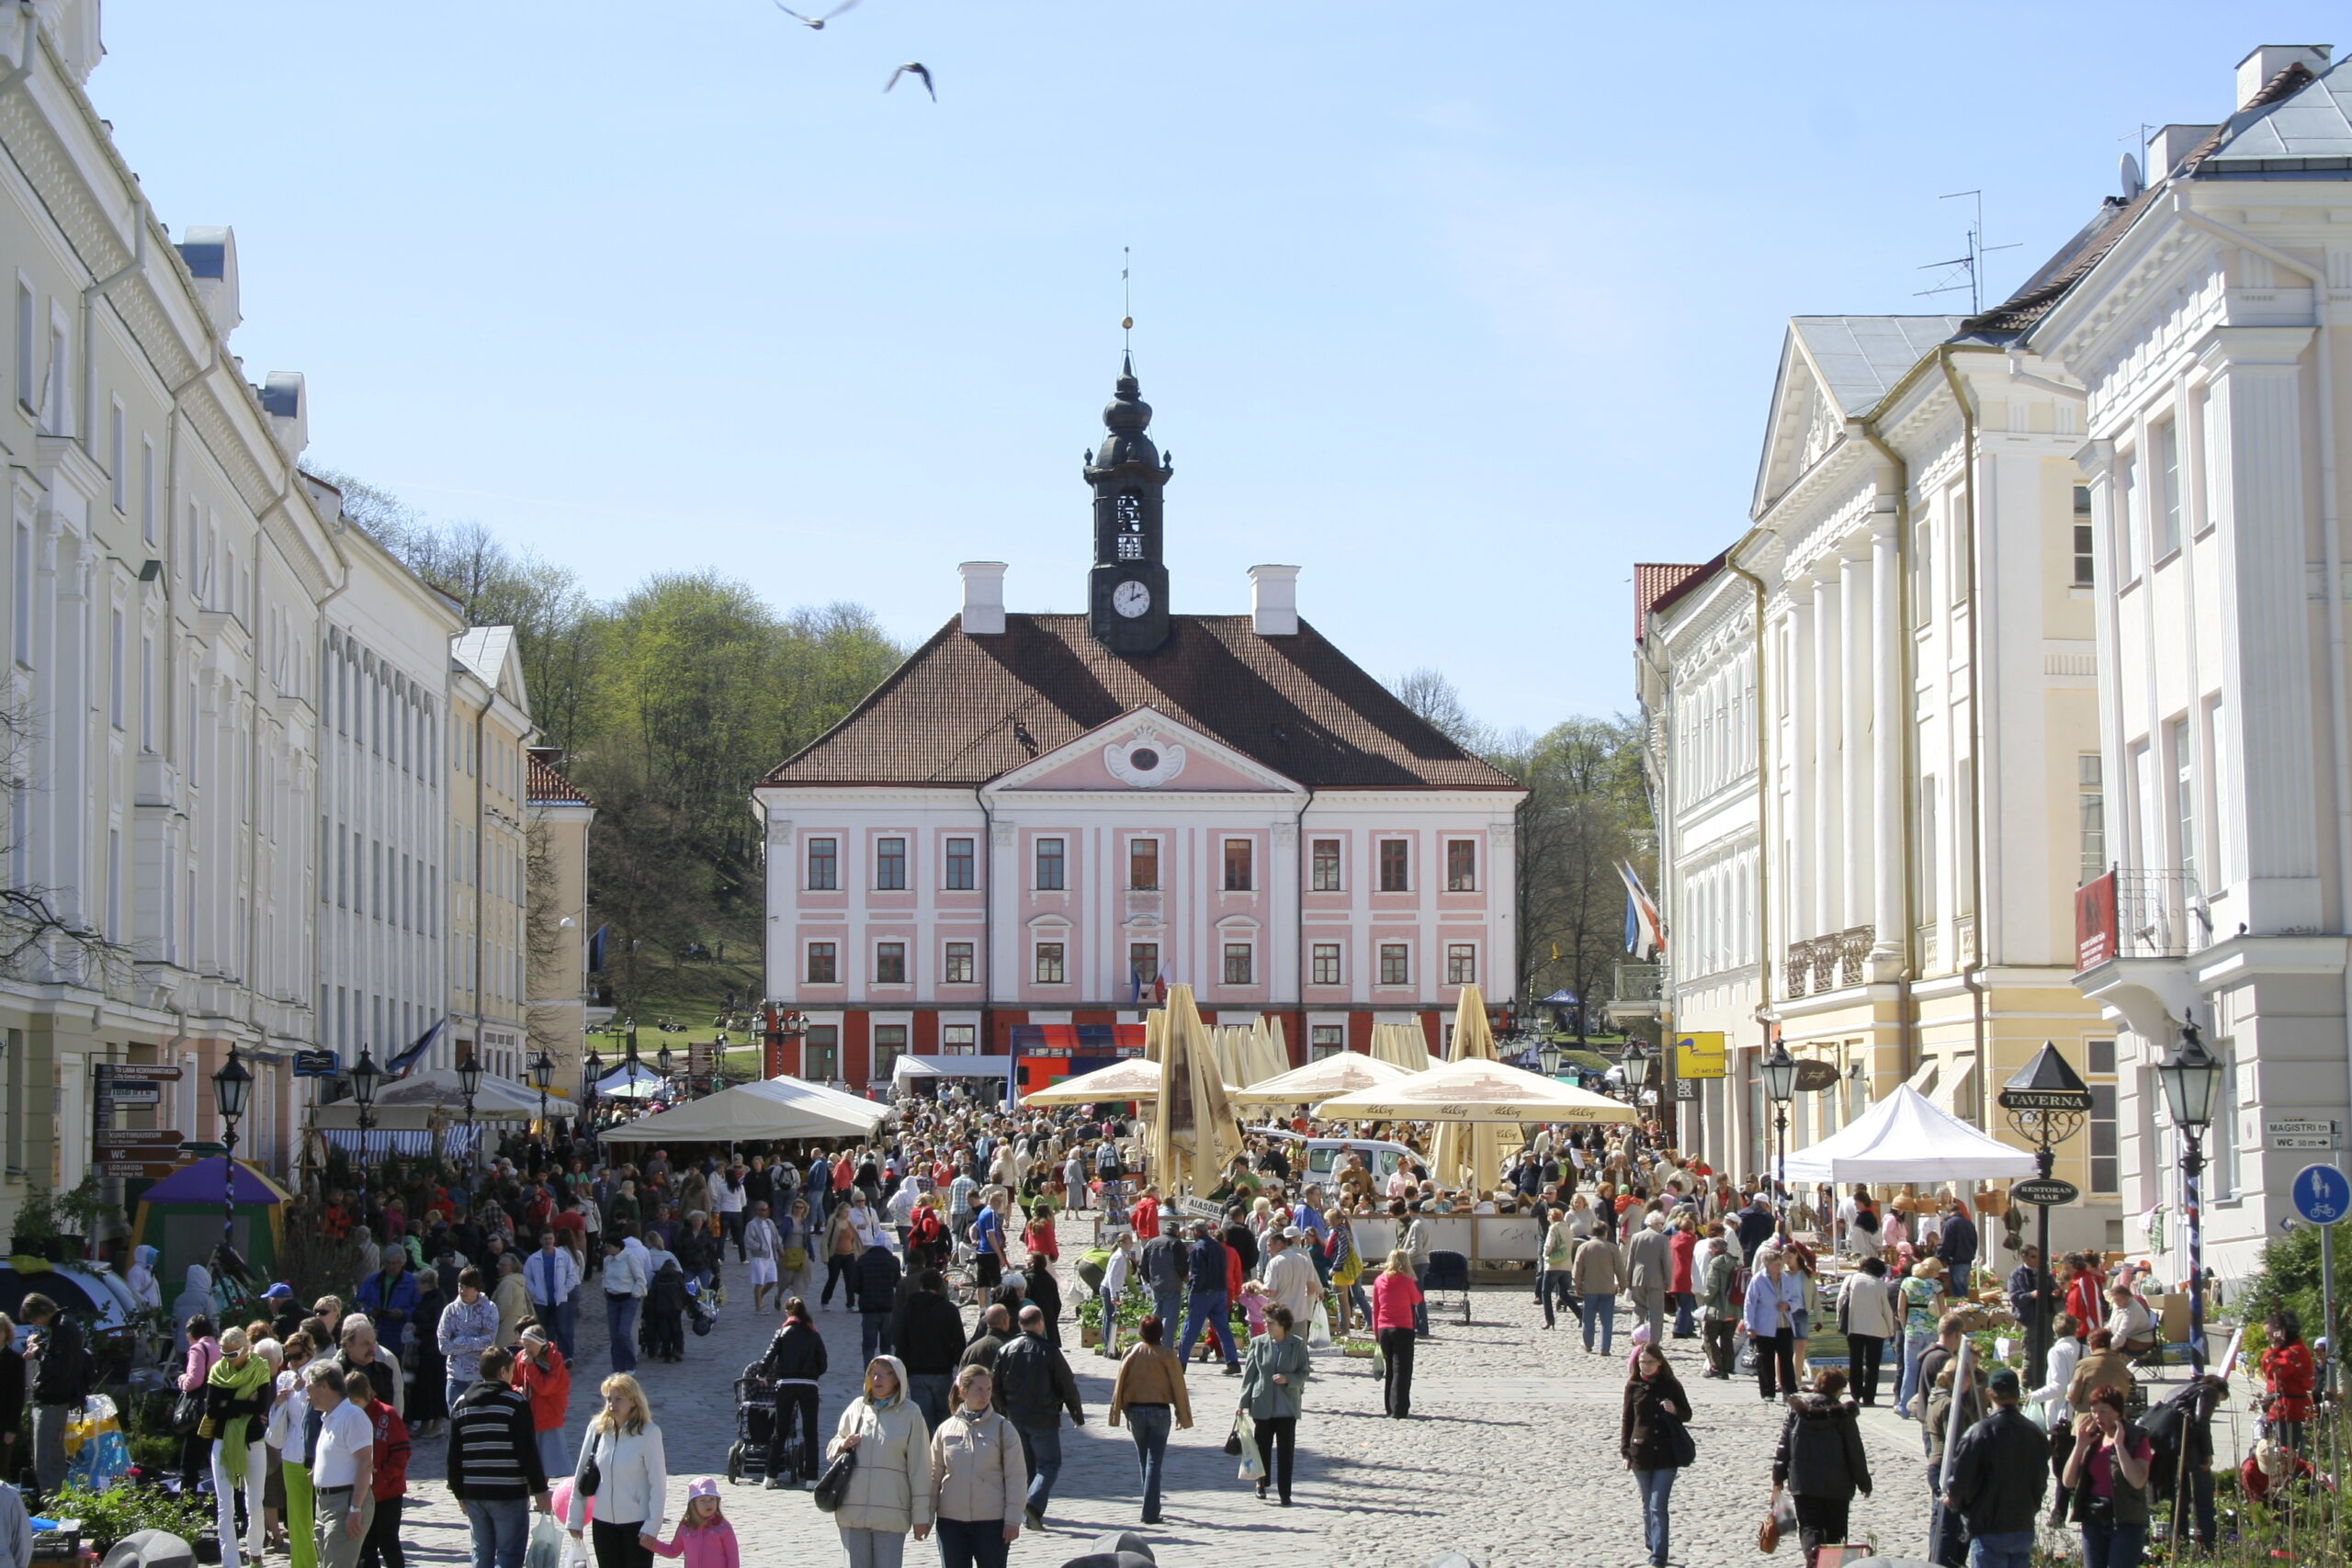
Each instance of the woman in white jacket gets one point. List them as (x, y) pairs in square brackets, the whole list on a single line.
[(632, 1485), (889, 1490)]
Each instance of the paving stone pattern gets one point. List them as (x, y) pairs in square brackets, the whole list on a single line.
[(1510, 1456)]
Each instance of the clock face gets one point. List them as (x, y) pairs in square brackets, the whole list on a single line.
[(1131, 599)]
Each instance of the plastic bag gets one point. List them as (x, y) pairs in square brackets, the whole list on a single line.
[(1252, 1468), (97, 1453), (1318, 1327), (546, 1550)]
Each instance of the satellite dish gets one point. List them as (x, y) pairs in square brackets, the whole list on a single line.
[(2128, 172)]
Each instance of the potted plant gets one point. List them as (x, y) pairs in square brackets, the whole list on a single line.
[(33, 1233), (80, 1214)]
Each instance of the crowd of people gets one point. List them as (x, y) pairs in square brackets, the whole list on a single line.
[(298, 1421)]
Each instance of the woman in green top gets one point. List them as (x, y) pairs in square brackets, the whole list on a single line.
[(1922, 1298), (1552, 1276), (1273, 1380)]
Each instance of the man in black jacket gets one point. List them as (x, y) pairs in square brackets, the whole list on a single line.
[(1957, 1245), (1998, 1473), (59, 1387), (877, 1292), (995, 1328), (1237, 1236), (929, 1333), (1033, 1385), (1164, 1266), (494, 1469)]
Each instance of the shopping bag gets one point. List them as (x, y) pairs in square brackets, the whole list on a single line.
[(1252, 1468), (546, 1550), (97, 1454), (1318, 1327)]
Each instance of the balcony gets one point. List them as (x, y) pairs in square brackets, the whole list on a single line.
[(1637, 992), (1824, 963), (2139, 914)]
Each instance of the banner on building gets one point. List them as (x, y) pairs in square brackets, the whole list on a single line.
[(2094, 923), (1699, 1055)]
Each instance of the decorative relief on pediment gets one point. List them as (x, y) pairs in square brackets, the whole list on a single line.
[(1144, 759)]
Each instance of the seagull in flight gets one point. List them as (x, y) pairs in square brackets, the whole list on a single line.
[(816, 24), (920, 69)]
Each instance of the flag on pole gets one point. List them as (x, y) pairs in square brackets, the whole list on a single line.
[(596, 950), (1645, 935), (399, 1065)]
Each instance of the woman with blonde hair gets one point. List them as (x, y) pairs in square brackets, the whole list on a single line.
[(980, 1482), (1395, 1294), (237, 1391), (889, 1487), (625, 1470)]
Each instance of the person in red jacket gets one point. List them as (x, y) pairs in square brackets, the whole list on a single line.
[(380, 1548), (1144, 1217), (2288, 1374), (1682, 1242), (541, 1377)]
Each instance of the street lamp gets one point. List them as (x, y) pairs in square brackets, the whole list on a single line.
[(366, 1078), (2191, 1077), (542, 1074), (591, 1072), (661, 1059), (2046, 1103), (469, 1083), (1549, 1055), (231, 1087), (1780, 1071)]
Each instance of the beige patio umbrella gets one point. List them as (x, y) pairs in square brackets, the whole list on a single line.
[(1475, 1091), (1268, 1056), (1195, 1132), (1277, 1048), (1403, 1044), (1319, 1082), (1470, 1153), (1137, 1078)]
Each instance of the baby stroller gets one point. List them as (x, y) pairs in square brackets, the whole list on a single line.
[(747, 1456), (661, 1337), (702, 1308)]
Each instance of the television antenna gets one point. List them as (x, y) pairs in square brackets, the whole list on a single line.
[(1967, 269)]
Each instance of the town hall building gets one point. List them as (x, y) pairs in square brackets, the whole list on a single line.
[(1046, 819)]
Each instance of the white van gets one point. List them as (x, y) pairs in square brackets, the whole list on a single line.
[(1322, 1157)]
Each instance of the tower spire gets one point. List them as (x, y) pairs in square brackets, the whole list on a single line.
[(1128, 585)]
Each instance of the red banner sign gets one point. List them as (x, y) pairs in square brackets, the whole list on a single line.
[(2094, 923)]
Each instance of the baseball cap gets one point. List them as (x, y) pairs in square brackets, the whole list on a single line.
[(2005, 1380), (280, 1292), (1291, 1233)]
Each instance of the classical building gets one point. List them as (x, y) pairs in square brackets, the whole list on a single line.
[(490, 762), (1907, 734), (1039, 818), (2205, 315), (558, 816)]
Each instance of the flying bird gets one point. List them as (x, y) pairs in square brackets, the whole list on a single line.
[(814, 23), (921, 70)]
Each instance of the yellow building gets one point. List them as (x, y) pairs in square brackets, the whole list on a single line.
[(490, 717)]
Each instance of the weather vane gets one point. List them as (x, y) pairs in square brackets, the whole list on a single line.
[(1128, 297)]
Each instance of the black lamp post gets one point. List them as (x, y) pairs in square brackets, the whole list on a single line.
[(542, 1074), (1780, 1071), (1549, 1055), (2191, 1078), (2046, 1103), (231, 1088), (366, 1078), (469, 1084), (591, 1071), (1638, 1060)]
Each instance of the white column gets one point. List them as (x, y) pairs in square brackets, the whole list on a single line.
[(1855, 830), (1797, 830), (1821, 870), (1887, 823)]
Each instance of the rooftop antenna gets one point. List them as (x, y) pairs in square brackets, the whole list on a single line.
[(1968, 269)]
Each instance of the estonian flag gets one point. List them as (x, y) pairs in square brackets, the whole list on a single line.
[(596, 950), (399, 1065)]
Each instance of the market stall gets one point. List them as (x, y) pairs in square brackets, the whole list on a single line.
[(754, 1112), (1903, 1138)]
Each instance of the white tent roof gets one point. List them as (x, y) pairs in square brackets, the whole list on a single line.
[(779, 1108), (853, 1105), (616, 1084), (1341, 1074), (495, 1098), (1475, 1091), (1136, 1077), (908, 1067), (1904, 1138)]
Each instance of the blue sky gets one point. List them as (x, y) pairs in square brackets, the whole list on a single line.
[(1462, 308)]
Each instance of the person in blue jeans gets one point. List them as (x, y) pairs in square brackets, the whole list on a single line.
[(622, 1281), (1599, 1270), (1647, 1437), (2107, 1473), (1211, 1308), (2000, 1471)]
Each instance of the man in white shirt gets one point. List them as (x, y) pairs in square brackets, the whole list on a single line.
[(343, 1469), (551, 1277), (1289, 1278)]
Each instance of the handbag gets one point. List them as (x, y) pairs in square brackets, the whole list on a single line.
[(589, 1479), (187, 1413), (1681, 1449), (1233, 1438), (834, 1482), (796, 1258)]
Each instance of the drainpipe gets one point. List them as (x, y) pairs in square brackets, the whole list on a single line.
[(1907, 1010), (89, 315), (1763, 1014), (27, 47), (1298, 942), (2331, 546), (988, 932), (1974, 976)]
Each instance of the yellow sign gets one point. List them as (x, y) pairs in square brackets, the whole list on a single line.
[(1699, 1055)]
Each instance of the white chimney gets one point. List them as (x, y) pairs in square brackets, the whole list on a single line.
[(2257, 69), (1274, 601), (2168, 146), (983, 597), (290, 415)]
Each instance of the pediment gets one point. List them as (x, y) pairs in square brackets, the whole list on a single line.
[(1803, 424), (1143, 751)]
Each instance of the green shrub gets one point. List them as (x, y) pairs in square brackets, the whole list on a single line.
[(122, 1509)]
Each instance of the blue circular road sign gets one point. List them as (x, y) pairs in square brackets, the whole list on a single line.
[(2323, 1194)]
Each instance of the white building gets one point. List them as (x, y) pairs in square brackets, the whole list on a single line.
[(2206, 315)]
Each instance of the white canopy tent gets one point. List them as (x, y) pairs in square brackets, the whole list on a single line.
[(1317, 1081), (778, 1107), (630, 1081), (495, 1098), (1136, 1077), (1475, 1091), (912, 1070), (852, 1105), (1904, 1138)]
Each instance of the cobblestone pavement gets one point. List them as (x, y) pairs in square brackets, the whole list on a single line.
[(1510, 1456)]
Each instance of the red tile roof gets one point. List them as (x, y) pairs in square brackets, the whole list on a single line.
[(963, 710), (549, 787), (1658, 584)]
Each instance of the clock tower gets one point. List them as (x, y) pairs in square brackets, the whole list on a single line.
[(1127, 589)]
